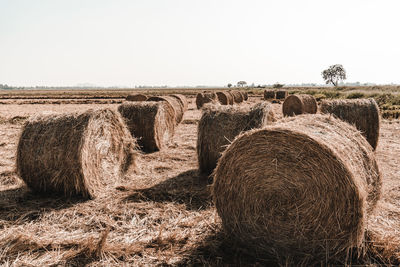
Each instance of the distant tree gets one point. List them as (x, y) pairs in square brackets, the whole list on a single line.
[(241, 83), (229, 85), (334, 74), (278, 85)]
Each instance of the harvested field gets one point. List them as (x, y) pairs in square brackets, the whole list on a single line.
[(160, 214)]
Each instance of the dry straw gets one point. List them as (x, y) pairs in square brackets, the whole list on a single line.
[(204, 98), (230, 97), (245, 96), (219, 125), (269, 94), (223, 98), (363, 113), (137, 97), (298, 190), (175, 104), (299, 104), (151, 123), (282, 94), (237, 96), (74, 154), (182, 100)]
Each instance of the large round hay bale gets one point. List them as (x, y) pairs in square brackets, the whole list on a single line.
[(175, 104), (237, 96), (182, 100), (363, 113), (137, 97), (223, 98), (74, 154), (281, 94), (219, 125), (151, 123), (299, 190), (205, 97), (269, 94), (299, 104), (230, 97)]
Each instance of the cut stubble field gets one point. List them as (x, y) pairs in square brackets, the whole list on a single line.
[(161, 214)]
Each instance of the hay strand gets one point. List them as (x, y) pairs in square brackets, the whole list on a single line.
[(182, 100)]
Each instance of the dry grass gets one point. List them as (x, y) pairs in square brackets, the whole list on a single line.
[(161, 214)]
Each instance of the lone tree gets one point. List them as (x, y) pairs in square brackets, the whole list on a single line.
[(229, 85), (334, 74), (241, 83)]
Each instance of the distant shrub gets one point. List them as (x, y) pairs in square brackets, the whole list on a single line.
[(278, 85)]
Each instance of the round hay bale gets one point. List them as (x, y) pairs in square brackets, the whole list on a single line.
[(245, 96), (151, 123), (223, 98), (182, 100), (74, 154), (219, 125), (299, 104), (363, 113), (203, 98), (237, 96), (230, 97), (282, 94), (298, 190), (137, 97), (269, 94), (175, 104)]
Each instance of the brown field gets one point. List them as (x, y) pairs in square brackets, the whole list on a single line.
[(162, 214)]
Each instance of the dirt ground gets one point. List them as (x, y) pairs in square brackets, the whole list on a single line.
[(162, 214)]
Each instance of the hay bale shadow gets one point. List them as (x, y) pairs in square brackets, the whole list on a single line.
[(20, 205), (189, 188), (218, 249)]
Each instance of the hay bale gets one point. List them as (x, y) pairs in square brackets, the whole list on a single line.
[(299, 190), (74, 154), (175, 104), (223, 98), (282, 94), (299, 104), (230, 97), (237, 96), (363, 113), (182, 100), (137, 97), (205, 97), (152, 123), (219, 125), (245, 96), (269, 94)]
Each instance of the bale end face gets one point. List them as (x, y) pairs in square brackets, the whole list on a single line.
[(297, 190), (152, 123)]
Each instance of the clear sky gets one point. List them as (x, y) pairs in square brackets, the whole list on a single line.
[(196, 42)]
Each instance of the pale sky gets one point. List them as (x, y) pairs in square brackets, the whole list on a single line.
[(196, 42)]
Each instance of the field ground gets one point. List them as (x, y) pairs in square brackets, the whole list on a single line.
[(161, 214)]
